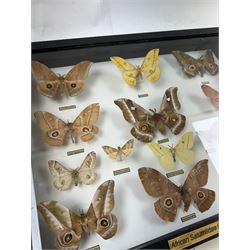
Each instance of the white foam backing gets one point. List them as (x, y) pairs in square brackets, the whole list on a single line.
[(137, 220)]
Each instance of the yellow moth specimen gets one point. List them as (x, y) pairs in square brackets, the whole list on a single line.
[(120, 152), (131, 73), (49, 83), (183, 150)]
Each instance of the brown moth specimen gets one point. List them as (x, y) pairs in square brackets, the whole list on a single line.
[(119, 152), (192, 66), (145, 123), (55, 129), (65, 178), (212, 94), (49, 83), (170, 195), (69, 227)]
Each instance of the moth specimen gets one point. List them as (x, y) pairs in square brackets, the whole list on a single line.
[(145, 123), (212, 94), (183, 150), (170, 195), (192, 66), (49, 83), (131, 73), (120, 152), (55, 130), (69, 227), (65, 178)]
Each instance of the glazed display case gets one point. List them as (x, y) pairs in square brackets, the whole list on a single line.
[(138, 224)]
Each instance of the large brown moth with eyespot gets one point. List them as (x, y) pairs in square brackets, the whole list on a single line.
[(55, 129), (69, 227), (65, 178), (170, 195), (192, 66), (145, 123), (49, 83)]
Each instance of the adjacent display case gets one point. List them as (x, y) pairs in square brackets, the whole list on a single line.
[(138, 224)]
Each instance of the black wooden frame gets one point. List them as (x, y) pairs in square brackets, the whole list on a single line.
[(67, 52)]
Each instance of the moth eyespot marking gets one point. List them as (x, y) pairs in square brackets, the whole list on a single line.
[(132, 108), (210, 65), (49, 86), (87, 176), (55, 134), (168, 99), (168, 202), (85, 129), (192, 67), (68, 237), (173, 120), (104, 223), (200, 195), (73, 85)]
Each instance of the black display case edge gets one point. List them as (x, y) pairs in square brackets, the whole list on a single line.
[(59, 53)]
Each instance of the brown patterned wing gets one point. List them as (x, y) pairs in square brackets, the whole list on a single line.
[(48, 81), (190, 65), (84, 124), (208, 62), (170, 104), (99, 216), (54, 129), (212, 94), (64, 223), (74, 79), (166, 207), (196, 179), (155, 183), (143, 129)]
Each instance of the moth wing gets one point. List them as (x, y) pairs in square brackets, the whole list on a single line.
[(208, 62), (212, 94), (184, 147), (165, 155), (196, 178), (150, 65), (112, 153), (166, 207), (74, 79), (204, 198), (84, 124), (86, 174), (132, 112), (127, 147), (99, 216), (129, 71), (62, 176), (190, 65), (170, 100), (155, 183), (54, 129), (63, 222), (48, 81)]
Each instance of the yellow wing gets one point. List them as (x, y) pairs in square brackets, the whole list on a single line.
[(127, 147), (184, 147), (166, 157), (112, 153), (150, 66), (129, 71)]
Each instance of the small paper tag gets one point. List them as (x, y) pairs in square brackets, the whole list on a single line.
[(121, 171), (207, 82), (97, 247), (143, 95), (74, 152), (67, 107), (174, 173), (188, 217), (163, 140)]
